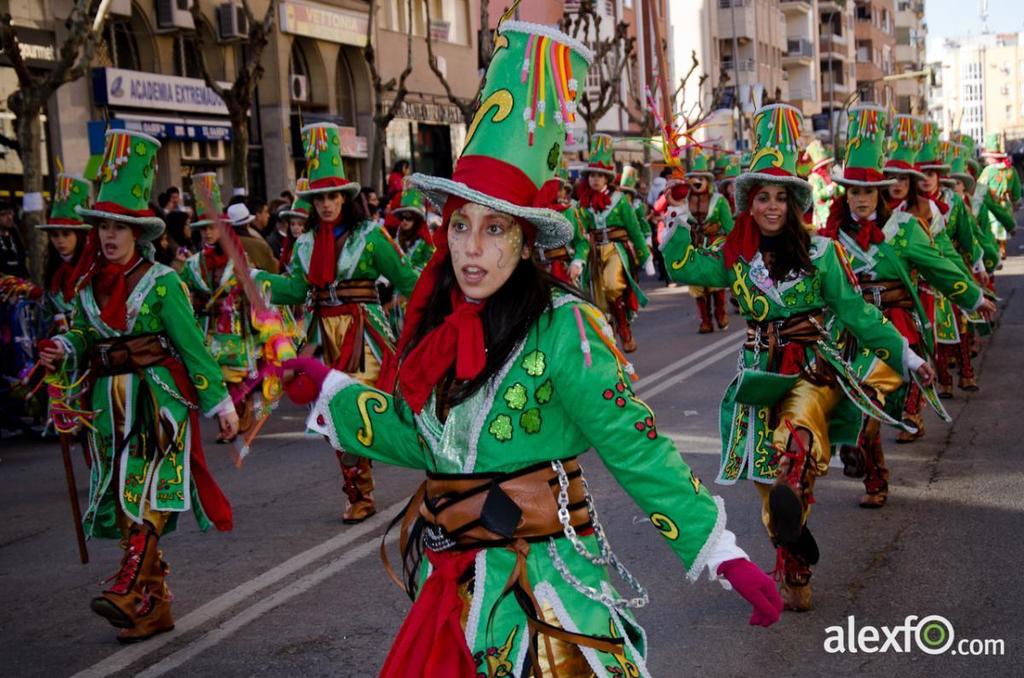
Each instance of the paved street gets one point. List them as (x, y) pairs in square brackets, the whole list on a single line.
[(291, 591)]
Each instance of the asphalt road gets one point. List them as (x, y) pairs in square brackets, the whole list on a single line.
[(292, 591)]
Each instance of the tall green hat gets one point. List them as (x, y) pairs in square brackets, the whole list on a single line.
[(629, 178), (865, 148), (514, 144), (729, 166), (71, 192), (956, 158), (970, 152), (993, 146), (126, 183), (300, 208), (930, 155), (321, 143), (745, 160), (205, 183), (700, 165), (601, 156), (818, 154), (562, 174), (412, 202), (777, 128), (904, 145)]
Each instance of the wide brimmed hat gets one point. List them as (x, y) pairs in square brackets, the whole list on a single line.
[(205, 183), (601, 155), (970, 153), (127, 172), (777, 130), (818, 155), (865, 148), (700, 165), (628, 179), (300, 207), (956, 158), (71, 192), (321, 144), (729, 166), (238, 214), (993, 146), (904, 145), (413, 203), (515, 142), (931, 156)]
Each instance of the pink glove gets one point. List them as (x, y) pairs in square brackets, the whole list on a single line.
[(308, 378), (757, 587)]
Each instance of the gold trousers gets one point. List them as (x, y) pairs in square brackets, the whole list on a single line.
[(332, 335)]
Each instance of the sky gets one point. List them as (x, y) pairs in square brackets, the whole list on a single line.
[(957, 18)]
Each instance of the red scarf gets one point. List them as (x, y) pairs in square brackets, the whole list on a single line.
[(936, 198), (893, 203), (114, 277), (595, 200), (323, 263), (214, 258), (63, 280), (868, 234), (743, 240)]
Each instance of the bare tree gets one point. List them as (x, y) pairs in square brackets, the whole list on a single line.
[(238, 98), (612, 55), (383, 115), (467, 107), (35, 87)]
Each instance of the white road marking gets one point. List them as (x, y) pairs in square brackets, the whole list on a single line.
[(648, 381), (649, 393), (241, 593)]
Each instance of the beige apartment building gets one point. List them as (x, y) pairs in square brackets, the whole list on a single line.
[(875, 46), (911, 94), (837, 60)]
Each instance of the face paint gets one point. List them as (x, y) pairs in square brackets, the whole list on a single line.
[(485, 248)]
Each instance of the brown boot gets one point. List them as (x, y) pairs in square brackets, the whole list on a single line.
[(704, 309), (721, 313), (905, 437), (119, 603), (621, 314), (967, 381), (358, 488), (876, 475), (794, 577), (153, 615)]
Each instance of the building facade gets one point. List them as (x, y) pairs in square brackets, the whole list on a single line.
[(875, 32), (801, 61), (911, 94), (837, 60)]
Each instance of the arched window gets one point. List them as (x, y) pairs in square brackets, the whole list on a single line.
[(298, 65), (121, 49), (346, 90), (186, 56)]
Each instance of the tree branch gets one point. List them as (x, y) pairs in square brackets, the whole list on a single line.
[(11, 46), (465, 108)]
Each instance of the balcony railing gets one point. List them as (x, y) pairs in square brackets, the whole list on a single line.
[(726, 4), (799, 47), (744, 65)]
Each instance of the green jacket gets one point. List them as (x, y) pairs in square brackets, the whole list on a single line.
[(718, 213), (746, 436), (547, 403), (159, 304), (223, 314), (958, 226), (619, 213)]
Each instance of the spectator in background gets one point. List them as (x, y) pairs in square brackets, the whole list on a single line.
[(277, 229), (396, 180), (179, 231), (13, 260), (658, 186), (260, 212), (287, 196), (256, 248), (173, 199), (372, 202)]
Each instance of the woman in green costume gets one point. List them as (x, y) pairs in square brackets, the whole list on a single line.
[(134, 332), (795, 392), (710, 220), (506, 378), (65, 234)]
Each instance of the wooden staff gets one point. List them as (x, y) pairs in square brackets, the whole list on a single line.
[(76, 510)]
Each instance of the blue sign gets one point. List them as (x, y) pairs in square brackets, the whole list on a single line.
[(160, 130)]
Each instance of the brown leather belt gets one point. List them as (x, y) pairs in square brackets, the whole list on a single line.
[(122, 355), (342, 292), (774, 333), (606, 236), (556, 254), (887, 294)]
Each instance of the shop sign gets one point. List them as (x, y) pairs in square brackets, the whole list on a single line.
[(161, 130), (137, 89), (428, 112), (321, 22), (38, 48)]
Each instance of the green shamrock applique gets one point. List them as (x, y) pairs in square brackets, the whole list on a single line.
[(515, 396), (535, 363), (501, 428)]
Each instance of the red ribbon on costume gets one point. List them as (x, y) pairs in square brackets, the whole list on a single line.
[(744, 239), (63, 280), (324, 260), (936, 197), (214, 257), (595, 200), (114, 277), (431, 642)]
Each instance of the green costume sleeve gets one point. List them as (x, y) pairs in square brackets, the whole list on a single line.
[(959, 224), (78, 340), (364, 421), (636, 234), (984, 235), (180, 325), (944, 244), (623, 431), (864, 320), (996, 209), (641, 218), (723, 216), (287, 289), (941, 272), (390, 262), (686, 264), (1015, 189), (580, 242)]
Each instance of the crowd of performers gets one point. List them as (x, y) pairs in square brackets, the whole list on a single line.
[(479, 332)]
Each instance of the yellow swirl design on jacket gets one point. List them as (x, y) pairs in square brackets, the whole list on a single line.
[(379, 404)]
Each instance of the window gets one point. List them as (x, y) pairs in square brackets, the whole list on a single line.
[(903, 35), (121, 49), (298, 64), (346, 90), (186, 59)]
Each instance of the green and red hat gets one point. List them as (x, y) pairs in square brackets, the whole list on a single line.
[(993, 146), (777, 131), (865, 148), (71, 192), (412, 203), (904, 145), (970, 152), (930, 157), (628, 179), (818, 155), (956, 158), (514, 144), (300, 207), (562, 174), (727, 165), (127, 172), (321, 144), (601, 156), (700, 165), (205, 183)]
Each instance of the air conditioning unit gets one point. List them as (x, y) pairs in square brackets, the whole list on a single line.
[(120, 8), (174, 15), (215, 150), (232, 23), (299, 87), (191, 151)]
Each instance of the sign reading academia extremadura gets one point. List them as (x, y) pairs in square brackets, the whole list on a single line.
[(138, 89)]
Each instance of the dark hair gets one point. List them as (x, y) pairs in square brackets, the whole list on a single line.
[(911, 198), (255, 205), (793, 245), (510, 313), (163, 199), (236, 199), (53, 260), (400, 165), (173, 189), (667, 172), (176, 222)]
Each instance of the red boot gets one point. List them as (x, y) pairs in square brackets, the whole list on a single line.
[(721, 312), (621, 317), (968, 382), (704, 309)]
